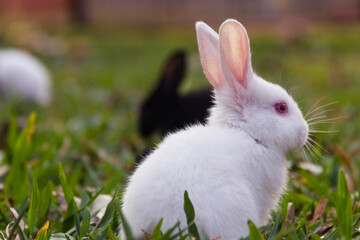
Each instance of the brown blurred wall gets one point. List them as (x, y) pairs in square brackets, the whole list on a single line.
[(166, 12), (33, 8)]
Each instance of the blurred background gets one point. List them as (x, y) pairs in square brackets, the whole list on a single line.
[(105, 57), (176, 12)]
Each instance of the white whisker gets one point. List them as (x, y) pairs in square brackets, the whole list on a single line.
[(317, 144), (311, 146), (319, 122), (330, 120), (323, 131), (314, 157), (316, 151), (311, 135), (305, 156), (315, 118), (281, 72), (292, 89), (290, 78), (313, 106), (316, 114), (318, 108), (302, 100), (310, 151)]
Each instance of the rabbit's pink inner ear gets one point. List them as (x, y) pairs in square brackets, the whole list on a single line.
[(208, 41), (212, 67), (235, 52)]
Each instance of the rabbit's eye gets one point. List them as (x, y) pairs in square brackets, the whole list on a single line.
[(281, 107)]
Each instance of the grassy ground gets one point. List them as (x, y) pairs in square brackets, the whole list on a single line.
[(91, 128)]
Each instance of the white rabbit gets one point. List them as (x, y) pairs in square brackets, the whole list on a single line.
[(24, 77), (234, 167)]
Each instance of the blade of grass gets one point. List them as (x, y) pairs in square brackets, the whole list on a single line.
[(45, 202), (113, 181), (356, 218), (190, 216), (291, 232), (84, 200), (68, 237), (315, 236), (168, 233), (17, 222), (69, 196), (332, 236), (13, 132), (125, 226), (107, 217), (255, 234), (343, 207), (34, 207), (42, 234), (69, 220), (17, 182), (284, 206), (92, 199), (277, 226), (116, 222), (77, 220), (112, 214), (110, 233), (157, 234), (85, 223)]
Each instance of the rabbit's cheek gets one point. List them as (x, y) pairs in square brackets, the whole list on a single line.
[(297, 138), (302, 133)]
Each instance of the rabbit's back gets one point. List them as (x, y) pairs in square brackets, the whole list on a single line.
[(21, 74), (220, 178)]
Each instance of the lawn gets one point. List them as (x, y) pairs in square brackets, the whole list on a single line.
[(87, 141)]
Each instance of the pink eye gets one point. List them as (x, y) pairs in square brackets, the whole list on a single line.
[(281, 107)]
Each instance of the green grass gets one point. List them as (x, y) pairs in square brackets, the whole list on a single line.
[(85, 143)]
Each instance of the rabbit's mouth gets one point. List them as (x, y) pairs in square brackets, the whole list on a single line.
[(302, 134)]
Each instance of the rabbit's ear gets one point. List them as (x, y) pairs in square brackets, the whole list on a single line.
[(173, 73), (208, 41), (235, 52)]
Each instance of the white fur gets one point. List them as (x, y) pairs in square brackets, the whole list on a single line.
[(22, 76), (234, 167)]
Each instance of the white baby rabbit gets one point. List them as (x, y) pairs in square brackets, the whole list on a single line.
[(234, 167), (23, 77)]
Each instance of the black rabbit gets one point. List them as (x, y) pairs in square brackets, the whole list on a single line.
[(165, 109)]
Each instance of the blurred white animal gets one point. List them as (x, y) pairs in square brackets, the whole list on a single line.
[(23, 77)]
